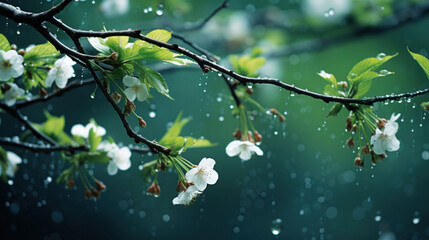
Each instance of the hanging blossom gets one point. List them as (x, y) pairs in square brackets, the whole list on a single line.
[(83, 131), (244, 149), (10, 65), (203, 174), (12, 164), (120, 157), (186, 197), (385, 138), (113, 8), (61, 72), (13, 93), (135, 89)]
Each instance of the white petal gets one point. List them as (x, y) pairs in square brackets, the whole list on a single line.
[(61, 82), (112, 169), (79, 130), (123, 161), (211, 177), (245, 155), (191, 174), (233, 148), (394, 117), (130, 94), (379, 147), (130, 81), (13, 158), (390, 128), (142, 93), (392, 144), (207, 163), (199, 182), (51, 77), (256, 149)]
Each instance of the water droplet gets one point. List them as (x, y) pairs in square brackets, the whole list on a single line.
[(276, 226), (377, 218), (381, 56), (166, 218), (416, 220), (331, 12), (152, 114), (384, 72), (425, 155), (159, 12)]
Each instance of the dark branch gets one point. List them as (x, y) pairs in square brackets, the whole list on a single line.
[(40, 148), (199, 25)]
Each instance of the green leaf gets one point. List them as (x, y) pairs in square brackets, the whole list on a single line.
[(331, 90), (422, 61), (328, 77), (99, 45), (54, 128), (4, 43), (174, 131), (335, 110), (93, 140), (33, 77), (160, 35), (199, 143), (247, 65), (368, 64), (363, 88), (155, 80), (94, 157), (425, 106), (43, 52)]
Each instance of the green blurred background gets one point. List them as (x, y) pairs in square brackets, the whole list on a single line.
[(306, 177)]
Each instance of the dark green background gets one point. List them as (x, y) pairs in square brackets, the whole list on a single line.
[(248, 196)]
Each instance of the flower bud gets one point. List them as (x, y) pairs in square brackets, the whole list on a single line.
[(95, 193), (42, 92), (21, 52), (281, 118), (100, 186), (116, 97), (87, 193), (70, 183), (5, 87), (354, 127), (349, 124), (180, 187), (257, 136), (237, 134), (350, 143), (274, 111), (381, 123), (358, 161), (249, 91), (343, 84), (129, 108), (114, 56), (13, 47), (365, 150), (142, 123), (206, 69), (154, 189)]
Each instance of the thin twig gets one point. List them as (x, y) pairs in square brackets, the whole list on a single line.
[(199, 25)]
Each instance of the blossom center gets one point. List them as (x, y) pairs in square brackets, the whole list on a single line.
[(6, 64)]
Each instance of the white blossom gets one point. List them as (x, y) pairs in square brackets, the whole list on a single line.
[(135, 89), (61, 72), (244, 149), (203, 174), (186, 197), (12, 164), (120, 159), (83, 131), (113, 8), (13, 93), (10, 65), (385, 139)]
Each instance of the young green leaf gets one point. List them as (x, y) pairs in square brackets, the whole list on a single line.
[(43, 52), (335, 110), (425, 106), (368, 64), (99, 45), (331, 90), (93, 140), (363, 88), (174, 131), (155, 80), (328, 77), (4, 43), (94, 157), (159, 35), (422, 61)]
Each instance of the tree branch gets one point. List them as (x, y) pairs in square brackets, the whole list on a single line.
[(199, 25)]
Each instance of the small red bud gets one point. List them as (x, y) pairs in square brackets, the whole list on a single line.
[(237, 134), (70, 183), (274, 111), (349, 124), (180, 187), (154, 189), (21, 52), (87, 193), (100, 186), (350, 143), (129, 108), (42, 92), (116, 97), (95, 193), (358, 161), (206, 69), (381, 123), (114, 56), (142, 123), (354, 127), (365, 150), (257, 136), (249, 91), (162, 167), (343, 84)]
